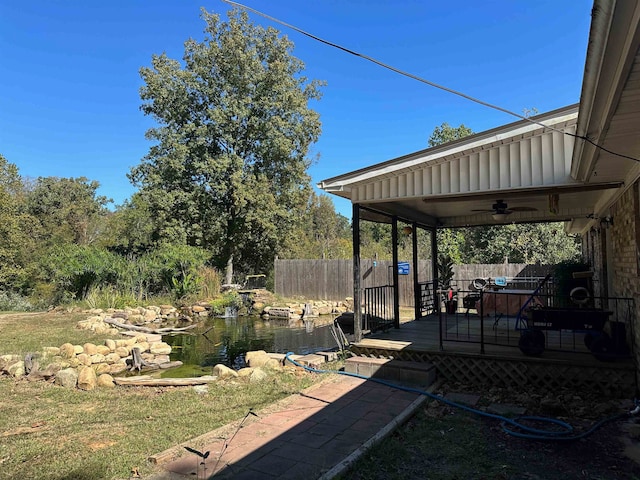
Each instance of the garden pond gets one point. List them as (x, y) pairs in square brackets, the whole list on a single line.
[(226, 340)]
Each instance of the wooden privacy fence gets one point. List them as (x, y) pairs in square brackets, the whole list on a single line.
[(333, 279)]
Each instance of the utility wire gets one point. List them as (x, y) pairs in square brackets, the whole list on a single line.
[(430, 83)]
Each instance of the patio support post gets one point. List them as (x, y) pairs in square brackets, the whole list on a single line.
[(416, 286), (357, 289), (434, 275), (396, 293)]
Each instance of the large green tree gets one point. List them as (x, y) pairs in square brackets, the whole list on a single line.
[(228, 170), (18, 230), (69, 209)]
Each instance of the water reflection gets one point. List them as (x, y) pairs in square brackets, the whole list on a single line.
[(226, 340)]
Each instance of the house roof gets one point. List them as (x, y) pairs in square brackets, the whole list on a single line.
[(543, 174)]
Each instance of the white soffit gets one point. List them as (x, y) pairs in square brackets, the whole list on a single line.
[(515, 156)]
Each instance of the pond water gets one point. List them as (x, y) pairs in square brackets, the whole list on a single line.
[(226, 340)]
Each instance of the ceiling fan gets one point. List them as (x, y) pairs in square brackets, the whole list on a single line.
[(500, 210)]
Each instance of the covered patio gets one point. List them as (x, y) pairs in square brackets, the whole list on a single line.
[(578, 165)]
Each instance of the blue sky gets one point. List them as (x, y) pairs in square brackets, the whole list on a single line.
[(69, 102)]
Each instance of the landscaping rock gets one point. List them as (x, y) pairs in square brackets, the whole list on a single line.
[(16, 369), (67, 351), (97, 358), (122, 352), (112, 358), (222, 371), (77, 349), (6, 360), (105, 381), (135, 319), (90, 348), (101, 368), (110, 344), (160, 348), (67, 378), (50, 351), (103, 350), (160, 359), (84, 359), (258, 375), (116, 368), (87, 378), (201, 389), (256, 358)]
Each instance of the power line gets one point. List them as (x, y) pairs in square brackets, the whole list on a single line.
[(428, 82)]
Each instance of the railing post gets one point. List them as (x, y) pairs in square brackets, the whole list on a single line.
[(416, 286), (396, 291)]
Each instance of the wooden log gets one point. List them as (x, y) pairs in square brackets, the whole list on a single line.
[(112, 321), (146, 381)]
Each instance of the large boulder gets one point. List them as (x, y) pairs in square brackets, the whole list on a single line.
[(160, 348), (87, 379), (103, 350), (118, 367), (97, 358), (222, 371), (67, 350), (67, 378), (112, 358), (6, 360), (84, 359), (256, 358), (258, 375), (16, 369), (105, 381)]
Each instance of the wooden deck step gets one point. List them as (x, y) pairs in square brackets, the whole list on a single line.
[(399, 371)]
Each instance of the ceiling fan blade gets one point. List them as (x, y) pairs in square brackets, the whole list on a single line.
[(488, 210), (523, 209)]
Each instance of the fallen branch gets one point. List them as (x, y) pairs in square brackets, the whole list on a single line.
[(137, 328), (146, 381)]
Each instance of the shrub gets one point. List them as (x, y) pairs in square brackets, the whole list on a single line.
[(76, 268), (108, 297), (229, 299), (10, 301)]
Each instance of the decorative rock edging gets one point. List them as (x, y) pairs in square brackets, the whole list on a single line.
[(168, 314), (88, 366)]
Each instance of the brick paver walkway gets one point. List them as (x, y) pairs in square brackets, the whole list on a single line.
[(307, 436)]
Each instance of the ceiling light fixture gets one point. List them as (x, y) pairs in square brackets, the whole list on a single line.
[(499, 217)]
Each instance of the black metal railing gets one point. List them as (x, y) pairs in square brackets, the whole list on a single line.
[(378, 308), (535, 321)]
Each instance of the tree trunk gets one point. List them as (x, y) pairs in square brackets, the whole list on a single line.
[(229, 271)]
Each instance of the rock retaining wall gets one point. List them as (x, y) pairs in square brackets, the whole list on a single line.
[(87, 366)]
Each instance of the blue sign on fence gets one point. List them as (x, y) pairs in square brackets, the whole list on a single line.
[(403, 268)]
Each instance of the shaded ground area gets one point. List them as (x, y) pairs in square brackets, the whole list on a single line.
[(441, 442)]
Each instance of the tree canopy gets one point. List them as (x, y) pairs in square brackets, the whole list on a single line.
[(229, 165)]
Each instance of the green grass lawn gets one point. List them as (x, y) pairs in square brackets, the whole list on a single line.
[(49, 432)]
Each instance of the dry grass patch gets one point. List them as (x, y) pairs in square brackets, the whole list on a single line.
[(53, 433)]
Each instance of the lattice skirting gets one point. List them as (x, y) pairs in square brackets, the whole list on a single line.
[(609, 380)]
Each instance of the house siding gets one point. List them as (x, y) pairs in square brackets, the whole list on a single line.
[(624, 256)]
